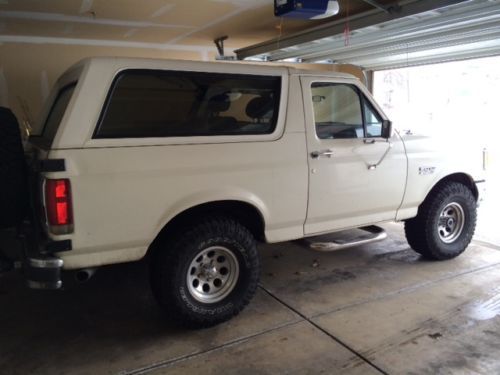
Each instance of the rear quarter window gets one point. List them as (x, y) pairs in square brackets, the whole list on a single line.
[(55, 116), (152, 103)]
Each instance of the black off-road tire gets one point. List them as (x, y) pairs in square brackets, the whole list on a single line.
[(171, 262), (422, 231), (14, 197)]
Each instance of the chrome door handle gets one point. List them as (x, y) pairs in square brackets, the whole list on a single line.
[(317, 154)]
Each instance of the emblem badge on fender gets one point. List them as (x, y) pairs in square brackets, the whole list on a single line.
[(426, 170)]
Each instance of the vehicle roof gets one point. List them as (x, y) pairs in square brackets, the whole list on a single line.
[(139, 62)]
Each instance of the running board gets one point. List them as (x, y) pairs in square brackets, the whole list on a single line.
[(329, 242)]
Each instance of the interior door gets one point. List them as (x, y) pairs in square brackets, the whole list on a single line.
[(356, 177)]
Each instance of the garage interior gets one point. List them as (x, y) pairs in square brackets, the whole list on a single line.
[(375, 308)]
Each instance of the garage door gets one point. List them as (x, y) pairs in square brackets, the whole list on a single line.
[(422, 32)]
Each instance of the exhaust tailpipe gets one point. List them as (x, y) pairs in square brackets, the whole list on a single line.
[(84, 275)]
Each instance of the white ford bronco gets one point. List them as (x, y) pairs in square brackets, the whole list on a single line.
[(192, 163)]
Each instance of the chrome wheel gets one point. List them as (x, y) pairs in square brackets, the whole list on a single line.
[(212, 274), (451, 222)]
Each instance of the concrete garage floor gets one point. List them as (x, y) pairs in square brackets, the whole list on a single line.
[(374, 308)]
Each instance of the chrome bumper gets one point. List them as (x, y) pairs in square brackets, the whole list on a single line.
[(44, 273)]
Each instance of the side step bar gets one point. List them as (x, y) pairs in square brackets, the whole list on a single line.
[(327, 243)]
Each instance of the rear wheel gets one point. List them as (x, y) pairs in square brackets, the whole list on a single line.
[(207, 274), (445, 222)]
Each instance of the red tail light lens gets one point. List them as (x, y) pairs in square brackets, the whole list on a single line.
[(59, 206)]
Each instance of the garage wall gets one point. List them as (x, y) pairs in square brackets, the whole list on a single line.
[(28, 71)]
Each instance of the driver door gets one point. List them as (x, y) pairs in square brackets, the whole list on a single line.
[(356, 177)]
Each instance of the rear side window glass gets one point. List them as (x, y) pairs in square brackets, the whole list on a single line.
[(177, 104), (56, 114)]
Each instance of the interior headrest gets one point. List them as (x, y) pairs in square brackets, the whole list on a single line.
[(219, 103), (258, 107)]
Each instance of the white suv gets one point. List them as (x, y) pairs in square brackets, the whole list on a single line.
[(192, 163)]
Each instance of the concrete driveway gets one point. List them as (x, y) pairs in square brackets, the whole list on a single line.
[(371, 309)]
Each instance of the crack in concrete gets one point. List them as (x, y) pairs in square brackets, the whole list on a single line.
[(317, 326), (486, 244), (408, 289), (182, 358)]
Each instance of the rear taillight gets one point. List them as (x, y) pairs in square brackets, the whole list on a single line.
[(59, 206)]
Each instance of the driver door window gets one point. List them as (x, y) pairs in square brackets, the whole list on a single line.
[(340, 111), (337, 111)]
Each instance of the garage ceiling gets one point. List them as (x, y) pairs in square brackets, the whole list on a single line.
[(156, 24), (422, 32)]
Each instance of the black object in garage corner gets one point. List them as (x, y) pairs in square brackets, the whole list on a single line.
[(14, 197), (5, 264)]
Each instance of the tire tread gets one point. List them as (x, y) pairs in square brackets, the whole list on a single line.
[(167, 258), (420, 232)]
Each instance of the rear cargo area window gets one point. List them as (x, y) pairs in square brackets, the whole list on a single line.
[(55, 116), (177, 104)]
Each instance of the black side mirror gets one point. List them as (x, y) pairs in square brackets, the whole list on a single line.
[(386, 129)]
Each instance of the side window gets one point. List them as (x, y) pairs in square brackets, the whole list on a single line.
[(56, 114), (337, 111), (152, 103), (373, 121)]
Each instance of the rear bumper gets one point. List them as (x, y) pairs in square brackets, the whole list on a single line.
[(43, 272), (34, 258), (42, 268)]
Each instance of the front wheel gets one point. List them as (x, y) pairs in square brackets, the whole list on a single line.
[(207, 274), (445, 222)]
